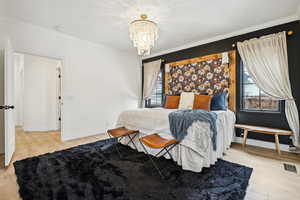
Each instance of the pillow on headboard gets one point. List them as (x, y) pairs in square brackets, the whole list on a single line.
[(202, 102), (172, 102), (219, 101), (186, 100)]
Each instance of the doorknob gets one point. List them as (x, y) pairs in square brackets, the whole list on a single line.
[(6, 107), (11, 107)]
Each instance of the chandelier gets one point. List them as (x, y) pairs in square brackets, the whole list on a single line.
[(143, 33)]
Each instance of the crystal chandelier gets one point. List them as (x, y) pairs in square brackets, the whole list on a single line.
[(143, 33)]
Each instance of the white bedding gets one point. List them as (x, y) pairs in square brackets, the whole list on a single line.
[(196, 150)]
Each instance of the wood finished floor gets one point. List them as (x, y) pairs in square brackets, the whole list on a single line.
[(269, 180)]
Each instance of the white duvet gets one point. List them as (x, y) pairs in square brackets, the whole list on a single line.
[(195, 151)]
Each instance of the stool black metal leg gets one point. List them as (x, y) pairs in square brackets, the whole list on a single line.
[(168, 149), (156, 167), (117, 148), (156, 155), (120, 138), (131, 140), (115, 145)]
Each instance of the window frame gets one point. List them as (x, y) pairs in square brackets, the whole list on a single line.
[(241, 87), (148, 101)]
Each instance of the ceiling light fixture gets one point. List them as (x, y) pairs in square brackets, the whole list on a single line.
[(143, 33)]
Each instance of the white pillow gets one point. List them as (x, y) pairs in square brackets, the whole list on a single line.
[(186, 100)]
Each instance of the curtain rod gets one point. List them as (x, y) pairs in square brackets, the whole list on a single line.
[(162, 60), (288, 33)]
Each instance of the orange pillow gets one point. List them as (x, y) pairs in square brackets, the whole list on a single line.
[(172, 102), (202, 102)]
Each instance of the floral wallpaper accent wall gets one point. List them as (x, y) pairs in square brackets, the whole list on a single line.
[(201, 77)]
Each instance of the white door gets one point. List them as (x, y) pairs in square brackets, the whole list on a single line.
[(9, 123)]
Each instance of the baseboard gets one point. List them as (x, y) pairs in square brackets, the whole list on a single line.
[(79, 136), (37, 130), (259, 143)]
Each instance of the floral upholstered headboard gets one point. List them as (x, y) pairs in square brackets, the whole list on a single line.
[(206, 74)]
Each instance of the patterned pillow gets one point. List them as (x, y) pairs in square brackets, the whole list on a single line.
[(202, 102)]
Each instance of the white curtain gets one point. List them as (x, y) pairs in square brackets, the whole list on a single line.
[(151, 72), (266, 60)]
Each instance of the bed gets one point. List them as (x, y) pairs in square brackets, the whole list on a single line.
[(195, 151), (211, 74)]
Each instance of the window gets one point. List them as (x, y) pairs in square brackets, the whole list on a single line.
[(253, 98), (157, 94)]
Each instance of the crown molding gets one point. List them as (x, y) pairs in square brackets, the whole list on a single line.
[(229, 35)]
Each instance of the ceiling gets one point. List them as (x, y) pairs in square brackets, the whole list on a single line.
[(180, 21)]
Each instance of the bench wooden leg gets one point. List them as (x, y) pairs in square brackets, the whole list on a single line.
[(277, 144), (245, 138)]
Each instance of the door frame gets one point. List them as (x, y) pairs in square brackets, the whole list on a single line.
[(62, 91)]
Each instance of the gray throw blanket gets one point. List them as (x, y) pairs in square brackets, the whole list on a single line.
[(181, 120)]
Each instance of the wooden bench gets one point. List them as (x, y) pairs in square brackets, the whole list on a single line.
[(264, 130)]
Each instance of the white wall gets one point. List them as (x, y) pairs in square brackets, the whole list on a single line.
[(2, 9), (40, 97), (19, 88), (98, 82)]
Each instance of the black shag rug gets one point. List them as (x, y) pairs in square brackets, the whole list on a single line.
[(94, 171)]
